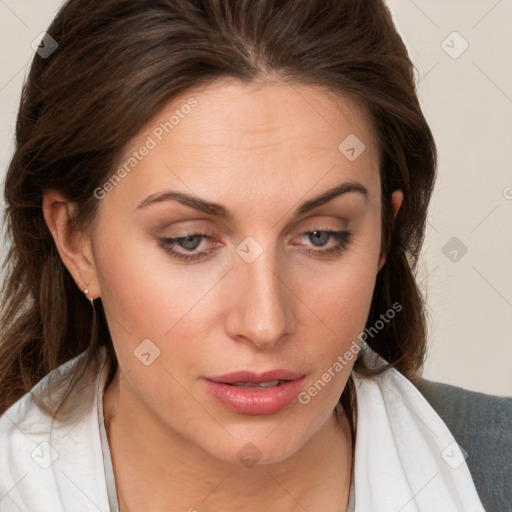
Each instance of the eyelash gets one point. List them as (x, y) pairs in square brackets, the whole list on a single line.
[(344, 239)]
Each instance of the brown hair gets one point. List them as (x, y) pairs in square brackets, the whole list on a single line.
[(118, 62)]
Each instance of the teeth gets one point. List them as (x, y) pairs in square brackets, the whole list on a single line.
[(268, 384)]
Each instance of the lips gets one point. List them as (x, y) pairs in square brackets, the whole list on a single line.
[(256, 378), (269, 384), (254, 394)]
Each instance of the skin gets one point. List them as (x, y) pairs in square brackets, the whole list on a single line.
[(260, 151)]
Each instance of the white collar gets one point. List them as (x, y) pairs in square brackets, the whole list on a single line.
[(406, 459)]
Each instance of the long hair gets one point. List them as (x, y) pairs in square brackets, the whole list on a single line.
[(118, 63)]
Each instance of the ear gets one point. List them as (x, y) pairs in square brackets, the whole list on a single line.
[(73, 245), (396, 201)]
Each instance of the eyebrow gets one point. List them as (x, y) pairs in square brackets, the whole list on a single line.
[(218, 210)]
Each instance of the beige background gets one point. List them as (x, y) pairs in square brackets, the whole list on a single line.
[(467, 99)]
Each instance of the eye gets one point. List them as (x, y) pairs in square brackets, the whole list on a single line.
[(188, 245), (321, 237)]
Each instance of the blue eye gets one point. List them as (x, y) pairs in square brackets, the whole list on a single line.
[(192, 241), (188, 243), (321, 237)]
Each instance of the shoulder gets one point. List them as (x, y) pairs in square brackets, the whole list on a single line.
[(482, 426), (44, 461), (471, 412)]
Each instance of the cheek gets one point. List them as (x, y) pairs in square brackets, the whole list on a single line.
[(147, 296), (340, 309), (341, 294), (143, 294), (137, 276), (337, 303)]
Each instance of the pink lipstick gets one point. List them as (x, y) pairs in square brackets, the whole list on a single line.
[(253, 393)]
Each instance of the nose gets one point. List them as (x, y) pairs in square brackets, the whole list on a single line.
[(261, 311)]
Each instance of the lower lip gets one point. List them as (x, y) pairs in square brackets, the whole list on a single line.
[(253, 401)]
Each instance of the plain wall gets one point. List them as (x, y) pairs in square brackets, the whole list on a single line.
[(467, 100)]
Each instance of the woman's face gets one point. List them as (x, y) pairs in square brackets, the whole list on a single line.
[(255, 282)]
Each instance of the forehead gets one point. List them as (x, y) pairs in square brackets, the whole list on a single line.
[(271, 113), (279, 134)]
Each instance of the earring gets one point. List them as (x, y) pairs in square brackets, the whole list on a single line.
[(90, 300)]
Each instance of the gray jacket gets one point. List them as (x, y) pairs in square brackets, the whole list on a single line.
[(482, 425)]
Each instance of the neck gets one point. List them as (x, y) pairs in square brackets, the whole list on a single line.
[(316, 477)]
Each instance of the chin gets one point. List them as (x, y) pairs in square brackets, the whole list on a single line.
[(260, 448)]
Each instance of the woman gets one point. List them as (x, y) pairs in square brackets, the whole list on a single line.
[(216, 209)]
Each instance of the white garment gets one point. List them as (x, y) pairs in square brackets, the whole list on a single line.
[(406, 460)]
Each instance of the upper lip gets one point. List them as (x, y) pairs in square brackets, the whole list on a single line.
[(256, 378)]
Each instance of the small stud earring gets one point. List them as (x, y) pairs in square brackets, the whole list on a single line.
[(90, 300)]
